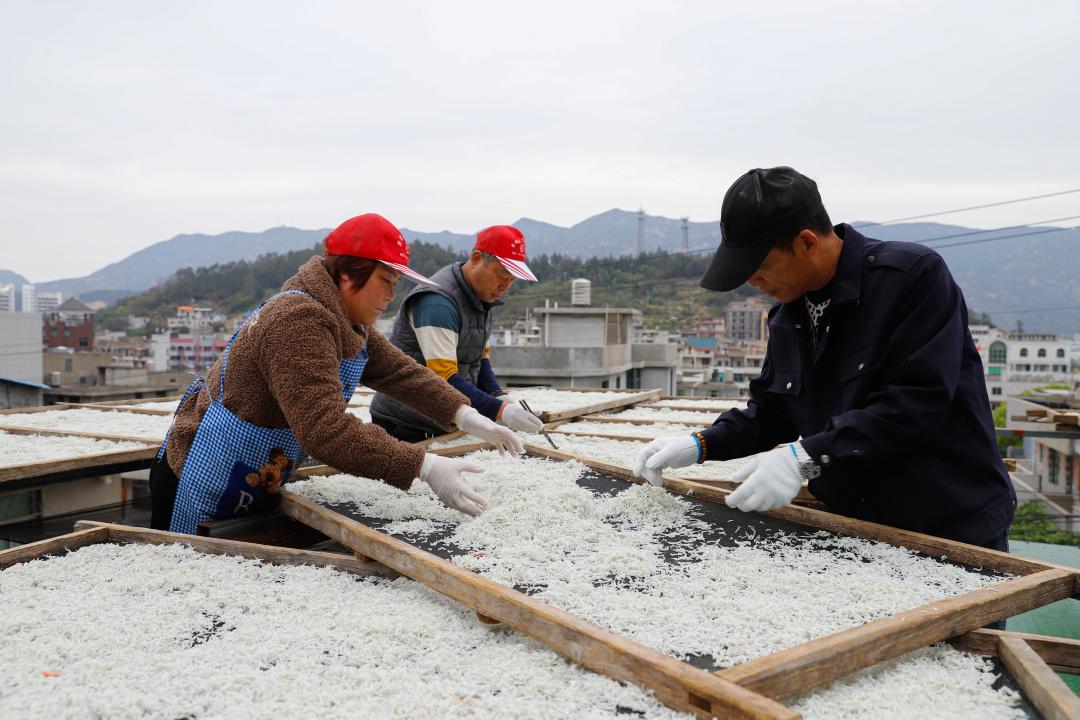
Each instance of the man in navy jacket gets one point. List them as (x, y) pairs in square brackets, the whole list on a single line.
[(872, 387)]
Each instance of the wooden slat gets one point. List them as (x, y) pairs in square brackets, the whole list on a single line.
[(632, 398), (18, 430), (819, 662), (718, 408), (137, 401), (28, 410), (78, 462), (219, 546), (659, 421), (1062, 654), (607, 436), (1046, 691), (676, 684), (118, 408), (53, 546)]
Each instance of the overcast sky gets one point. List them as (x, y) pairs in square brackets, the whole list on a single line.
[(125, 123)]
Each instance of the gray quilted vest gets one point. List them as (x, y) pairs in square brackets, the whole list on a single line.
[(475, 330)]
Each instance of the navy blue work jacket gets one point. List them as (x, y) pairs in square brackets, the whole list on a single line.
[(892, 403)]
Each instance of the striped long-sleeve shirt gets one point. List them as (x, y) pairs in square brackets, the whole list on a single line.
[(437, 323)]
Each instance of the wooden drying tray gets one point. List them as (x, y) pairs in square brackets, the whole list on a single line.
[(557, 427), (819, 662), (780, 675), (77, 466)]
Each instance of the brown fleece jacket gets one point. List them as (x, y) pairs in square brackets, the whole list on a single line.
[(283, 372)]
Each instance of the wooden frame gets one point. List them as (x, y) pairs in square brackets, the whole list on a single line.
[(90, 532), (780, 675), (57, 466)]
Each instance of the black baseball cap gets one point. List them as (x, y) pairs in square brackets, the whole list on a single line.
[(761, 209)]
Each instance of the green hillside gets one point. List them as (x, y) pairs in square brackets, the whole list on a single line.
[(663, 285)]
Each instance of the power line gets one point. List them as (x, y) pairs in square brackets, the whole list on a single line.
[(1005, 237), (1011, 227), (971, 207)]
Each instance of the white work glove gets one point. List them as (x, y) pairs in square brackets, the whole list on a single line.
[(665, 452), (770, 480), (469, 420), (443, 474), (520, 419)]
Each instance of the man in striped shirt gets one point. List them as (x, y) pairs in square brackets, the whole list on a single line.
[(447, 328)]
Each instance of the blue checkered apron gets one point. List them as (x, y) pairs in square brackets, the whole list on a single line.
[(227, 451)]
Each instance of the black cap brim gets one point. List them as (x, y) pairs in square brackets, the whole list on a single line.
[(733, 266)]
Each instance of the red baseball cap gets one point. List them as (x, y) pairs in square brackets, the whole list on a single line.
[(373, 237), (507, 243)]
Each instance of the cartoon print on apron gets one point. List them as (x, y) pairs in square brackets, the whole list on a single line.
[(234, 467)]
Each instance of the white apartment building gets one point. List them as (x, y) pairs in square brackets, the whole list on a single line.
[(1017, 361), (7, 297)]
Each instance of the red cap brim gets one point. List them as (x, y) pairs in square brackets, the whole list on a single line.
[(410, 273), (518, 269)]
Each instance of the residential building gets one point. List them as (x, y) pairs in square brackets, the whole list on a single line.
[(39, 302), (197, 320), (1015, 362), (736, 364), (29, 298), (746, 320), (585, 347), (195, 352), (48, 302), (7, 297), (71, 324)]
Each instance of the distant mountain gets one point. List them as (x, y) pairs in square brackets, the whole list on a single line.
[(154, 264), (1035, 271), (7, 276)]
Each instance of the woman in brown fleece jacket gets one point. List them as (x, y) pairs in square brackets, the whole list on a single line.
[(281, 388)]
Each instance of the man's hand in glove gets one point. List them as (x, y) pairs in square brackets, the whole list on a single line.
[(770, 480), (666, 452)]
